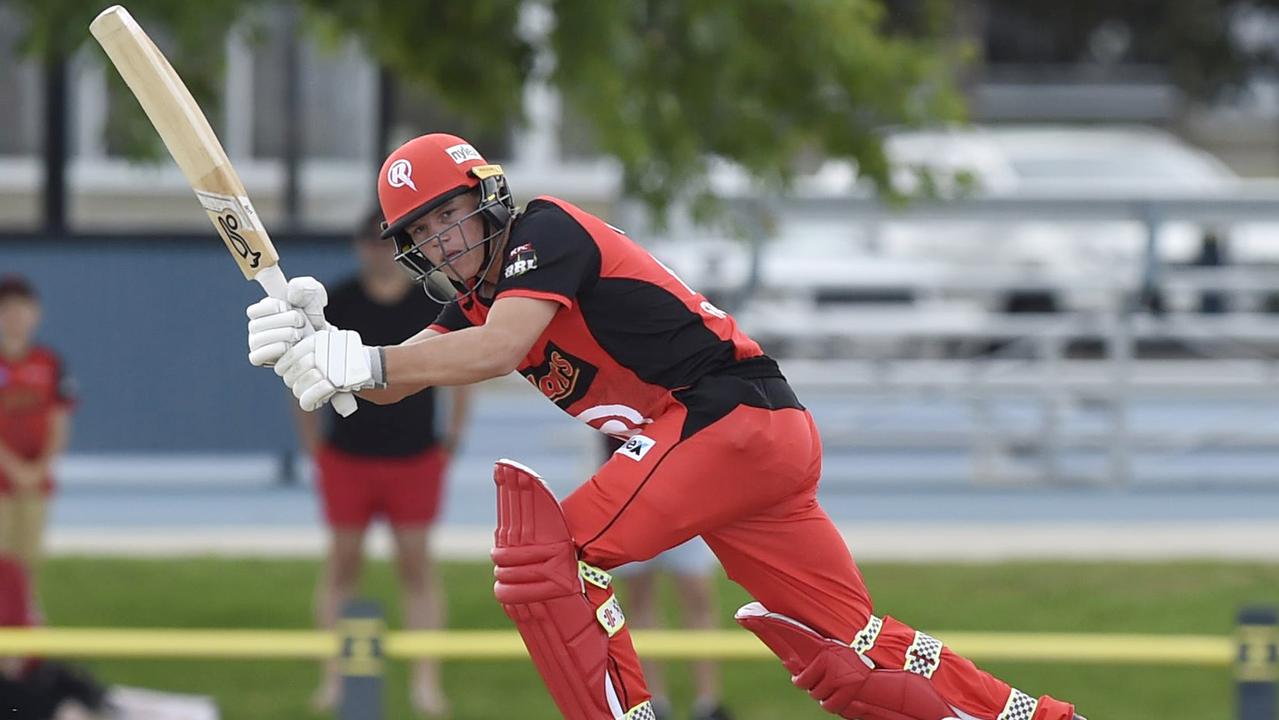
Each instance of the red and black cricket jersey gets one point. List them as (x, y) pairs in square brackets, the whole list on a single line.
[(31, 388), (630, 333)]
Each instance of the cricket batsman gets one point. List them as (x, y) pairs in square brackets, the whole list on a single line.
[(716, 444)]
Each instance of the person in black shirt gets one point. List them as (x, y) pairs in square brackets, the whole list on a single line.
[(386, 460)]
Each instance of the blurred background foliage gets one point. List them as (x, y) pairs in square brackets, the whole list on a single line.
[(665, 88)]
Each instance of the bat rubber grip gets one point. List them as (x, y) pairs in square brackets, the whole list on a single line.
[(273, 281)]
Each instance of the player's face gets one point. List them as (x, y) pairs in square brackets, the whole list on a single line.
[(19, 317), (451, 237)]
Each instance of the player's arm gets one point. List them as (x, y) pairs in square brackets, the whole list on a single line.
[(557, 259), (333, 361), (30, 473), (459, 395), (10, 462), (472, 354), (59, 437), (386, 396)]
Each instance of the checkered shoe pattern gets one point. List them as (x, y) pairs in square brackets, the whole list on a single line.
[(924, 655), (865, 639), (1020, 706), (643, 711), (594, 575)]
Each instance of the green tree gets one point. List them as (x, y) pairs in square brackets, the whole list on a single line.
[(664, 87)]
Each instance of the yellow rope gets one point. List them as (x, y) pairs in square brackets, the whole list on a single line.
[(655, 644)]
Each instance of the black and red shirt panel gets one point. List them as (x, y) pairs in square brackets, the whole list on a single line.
[(630, 333)]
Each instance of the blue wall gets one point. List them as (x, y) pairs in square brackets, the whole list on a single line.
[(154, 334)]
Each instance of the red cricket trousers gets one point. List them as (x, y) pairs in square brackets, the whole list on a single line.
[(737, 461)]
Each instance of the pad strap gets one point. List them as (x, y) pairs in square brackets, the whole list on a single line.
[(845, 682)]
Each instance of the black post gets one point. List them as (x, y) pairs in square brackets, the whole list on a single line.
[(1257, 664), (55, 145), (385, 115), (362, 633), (294, 123), (288, 475)]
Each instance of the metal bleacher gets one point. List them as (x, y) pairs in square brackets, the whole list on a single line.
[(1123, 389)]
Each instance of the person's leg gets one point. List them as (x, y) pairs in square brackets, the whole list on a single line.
[(345, 500), (657, 496), (339, 581), (31, 510), (8, 525), (639, 589), (410, 500), (696, 592), (693, 569), (822, 588), (562, 605), (423, 610)]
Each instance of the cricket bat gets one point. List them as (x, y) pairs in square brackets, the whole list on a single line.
[(195, 148)]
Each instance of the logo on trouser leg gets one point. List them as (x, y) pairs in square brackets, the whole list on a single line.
[(865, 640), (924, 655), (636, 447), (610, 616)]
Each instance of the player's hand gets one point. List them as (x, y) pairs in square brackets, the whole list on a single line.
[(308, 295), (274, 327), (326, 363)]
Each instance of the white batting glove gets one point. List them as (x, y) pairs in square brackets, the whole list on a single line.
[(308, 295), (329, 362), (275, 325)]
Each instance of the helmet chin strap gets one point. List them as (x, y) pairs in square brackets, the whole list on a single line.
[(493, 248)]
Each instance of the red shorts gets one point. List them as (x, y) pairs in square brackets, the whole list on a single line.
[(355, 488)]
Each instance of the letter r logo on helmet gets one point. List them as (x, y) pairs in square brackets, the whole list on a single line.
[(400, 173)]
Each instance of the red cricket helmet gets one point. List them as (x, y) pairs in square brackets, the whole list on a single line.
[(423, 174)]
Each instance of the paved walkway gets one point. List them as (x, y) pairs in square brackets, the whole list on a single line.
[(917, 525)]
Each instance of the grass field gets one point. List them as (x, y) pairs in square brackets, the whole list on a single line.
[(1187, 598)]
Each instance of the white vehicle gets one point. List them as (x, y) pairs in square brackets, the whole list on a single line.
[(1053, 161), (840, 255)]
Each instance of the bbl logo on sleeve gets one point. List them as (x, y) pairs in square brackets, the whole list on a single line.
[(522, 259)]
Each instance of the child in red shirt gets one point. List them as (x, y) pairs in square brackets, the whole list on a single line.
[(35, 404)]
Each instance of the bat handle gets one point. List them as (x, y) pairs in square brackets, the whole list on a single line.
[(277, 286)]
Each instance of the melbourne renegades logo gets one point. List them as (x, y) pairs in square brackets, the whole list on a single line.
[(561, 377)]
